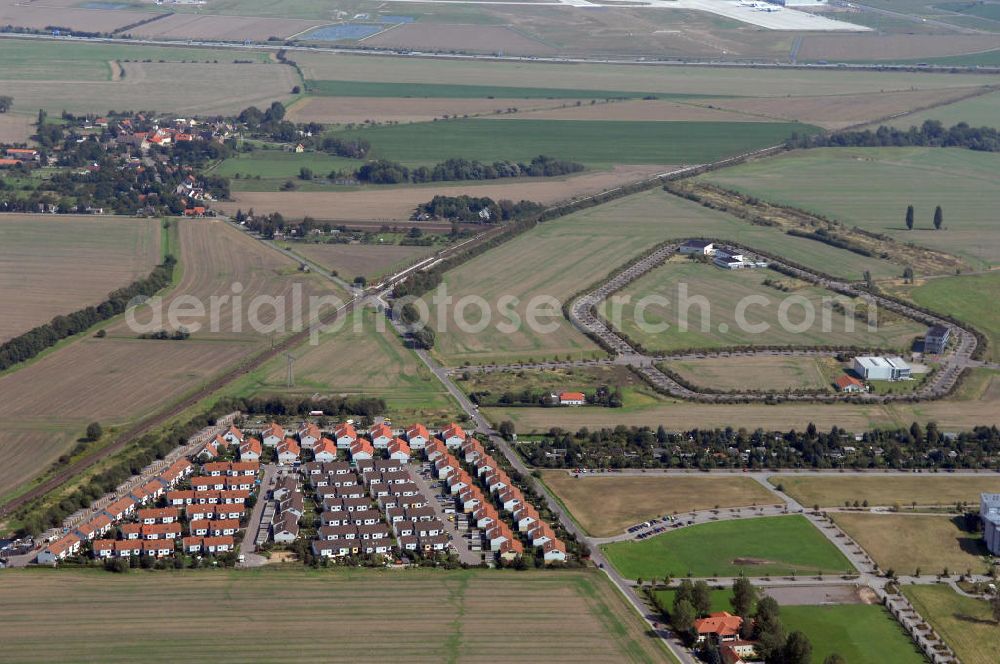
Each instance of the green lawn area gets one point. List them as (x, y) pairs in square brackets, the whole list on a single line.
[(720, 599), (595, 143), (281, 165), (326, 88), (871, 187), (980, 111), (718, 323), (964, 623), (764, 546), (966, 298), (860, 633)]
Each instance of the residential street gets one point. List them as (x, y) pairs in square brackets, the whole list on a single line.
[(249, 544)]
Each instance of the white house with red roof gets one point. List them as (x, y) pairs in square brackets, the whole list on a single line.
[(417, 436), (572, 398), (273, 434)]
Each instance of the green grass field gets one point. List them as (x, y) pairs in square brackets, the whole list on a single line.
[(871, 187), (964, 623), (860, 633), (449, 616), (981, 111), (963, 297), (717, 324), (762, 546), (281, 165), (595, 143)]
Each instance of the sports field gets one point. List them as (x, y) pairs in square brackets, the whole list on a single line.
[(56, 265), (593, 142), (964, 623), (317, 615), (860, 633), (924, 489), (871, 188), (606, 505), (963, 298), (685, 304), (904, 542), (760, 546), (762, 372)]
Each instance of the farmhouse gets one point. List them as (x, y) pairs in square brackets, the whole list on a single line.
[(936, 339), (718, 627), (881, 368), (572, 399), (698, 247), (847, 383), (989, 512)]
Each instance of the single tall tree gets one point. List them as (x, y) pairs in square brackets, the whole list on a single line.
[(701, 598), (797, 650), (6, 102), (682, 616), (743, 596), (909, 217), (938, 218)]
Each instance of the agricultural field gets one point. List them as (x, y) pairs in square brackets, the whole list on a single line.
[(457, 616), (221, 28), (759, 546), (358, 358), (760, 372), (606, 505), (893, 47), (121, 378), (871, 187), (690, 81), (493, 384), (963, 298), (478, 39), (347, 110), (980, 111), (15, 128), (860, 633), (264, 170), (923, 489), (965, 624), (56, 265), (595, 143), (904, 542), (654, 314), (40, 17), (397, 203)]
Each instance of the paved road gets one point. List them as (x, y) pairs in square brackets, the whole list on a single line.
[(431, 489), (249, 543)]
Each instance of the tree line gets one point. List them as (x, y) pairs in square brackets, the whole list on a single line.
[(480, 210), (383, 171), (932, 133), (34, 341)]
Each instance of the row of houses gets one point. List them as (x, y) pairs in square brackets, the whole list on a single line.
[(502, 492), (102, 521), (289, 508)]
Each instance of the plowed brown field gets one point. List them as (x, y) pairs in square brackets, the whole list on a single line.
[(343, 110)]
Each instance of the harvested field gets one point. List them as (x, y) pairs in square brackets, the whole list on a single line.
[(965, 624), (398, 203), (607, 505), (839, 111), (762, 373), (27, 447), (365, 260), (344, 110), (923, 489), (699, 81), (222, 28), (463, 615), (16, 128), (904, 542), (640, 110), (40, 16), (873, 47), (455, 37), (363, 356), (54, 265), (181, 87), (122, 378)]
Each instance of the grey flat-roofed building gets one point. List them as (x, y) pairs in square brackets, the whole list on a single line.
[(989, 512), (881, 368), (936, 339)]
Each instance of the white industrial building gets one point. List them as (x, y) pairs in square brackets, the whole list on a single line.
[(881, 368), (731, 260), (989, 512), (700, 247)]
